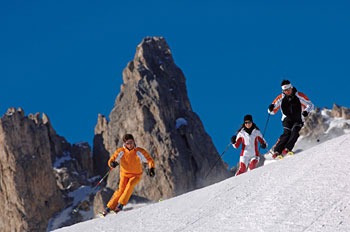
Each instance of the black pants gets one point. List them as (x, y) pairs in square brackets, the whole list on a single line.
[(290, 135)]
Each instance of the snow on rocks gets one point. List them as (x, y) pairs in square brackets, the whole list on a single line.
[(180, 122)]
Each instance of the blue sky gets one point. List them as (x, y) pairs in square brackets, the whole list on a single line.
[(65, 58)]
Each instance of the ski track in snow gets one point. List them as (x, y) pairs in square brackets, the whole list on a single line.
[(306, 192)]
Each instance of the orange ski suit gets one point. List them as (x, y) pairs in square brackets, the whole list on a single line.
[(130, 172)]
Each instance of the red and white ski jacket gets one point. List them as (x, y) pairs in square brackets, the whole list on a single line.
[(249, 142)]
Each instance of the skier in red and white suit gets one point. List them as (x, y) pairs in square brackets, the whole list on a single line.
[(248, 135)]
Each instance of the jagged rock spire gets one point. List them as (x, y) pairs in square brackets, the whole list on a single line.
[(153, 106), (29, 195)]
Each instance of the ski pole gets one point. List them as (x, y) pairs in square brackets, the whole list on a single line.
[(76, 210), (217, 161), (268, 117), (267, 121)]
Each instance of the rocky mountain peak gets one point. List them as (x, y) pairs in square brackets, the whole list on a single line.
[(324, 124), (340, 112), (153, 106), (153, 72), (152, 54), (38, 171), (28, 187)]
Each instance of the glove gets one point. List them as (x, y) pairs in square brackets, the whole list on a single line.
[(271, 107), (151, 172), (233, 139), (305, 113), (263, 145), (114, 164)]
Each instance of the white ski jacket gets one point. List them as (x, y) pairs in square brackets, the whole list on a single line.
[(249, 142)]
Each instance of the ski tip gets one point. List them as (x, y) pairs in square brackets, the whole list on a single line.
[(100, 215)]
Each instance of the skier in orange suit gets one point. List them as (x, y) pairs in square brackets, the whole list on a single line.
[(130, 159)]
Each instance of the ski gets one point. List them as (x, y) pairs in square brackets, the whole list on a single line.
[(270, 153), (105, 214)]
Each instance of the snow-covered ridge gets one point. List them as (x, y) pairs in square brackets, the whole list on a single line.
[(335, 122), (306, 192), (323, 125)]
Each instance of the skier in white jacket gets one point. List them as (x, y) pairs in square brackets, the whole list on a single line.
[(248, 135)]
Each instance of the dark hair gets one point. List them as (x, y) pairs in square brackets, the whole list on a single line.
[(285, 82), (248, 117), (127, 137)]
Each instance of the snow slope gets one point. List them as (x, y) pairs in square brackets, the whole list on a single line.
[(306, 192)]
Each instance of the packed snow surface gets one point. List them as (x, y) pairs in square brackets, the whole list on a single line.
[(309, 191)]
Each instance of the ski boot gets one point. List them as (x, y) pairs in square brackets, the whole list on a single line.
[(105, 212), (119, 208), (286, 151), (277, 155)]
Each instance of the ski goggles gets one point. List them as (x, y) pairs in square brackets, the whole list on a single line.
[(286, 87)]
